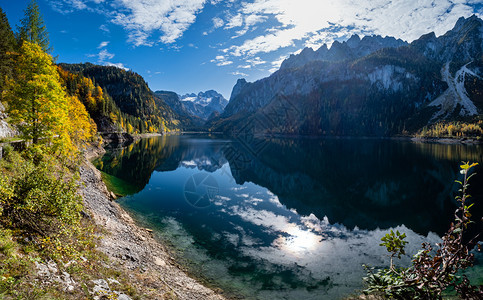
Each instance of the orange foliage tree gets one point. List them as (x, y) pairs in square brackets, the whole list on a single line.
[(39, 106)]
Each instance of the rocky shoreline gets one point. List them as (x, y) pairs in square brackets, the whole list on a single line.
[(156, 271), (446, 141)]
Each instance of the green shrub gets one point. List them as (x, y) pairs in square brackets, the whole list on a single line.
[(6, 149), (40, 196), (7, 246)]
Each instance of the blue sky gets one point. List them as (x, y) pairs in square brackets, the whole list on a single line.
[(196, 45)]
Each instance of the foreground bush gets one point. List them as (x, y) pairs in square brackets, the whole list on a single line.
[(38, 194), (41, 225), (431, 273)]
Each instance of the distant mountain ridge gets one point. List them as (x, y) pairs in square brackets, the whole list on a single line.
[(199, 106), (204, 104), (354, 47), (370, 86)]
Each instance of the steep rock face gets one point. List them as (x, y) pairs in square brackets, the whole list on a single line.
[(456, 96), (5, 130), (172, 100), (343, 91), (188, 120), (463, 43), (460, 54), (204, 104), (240, 84)]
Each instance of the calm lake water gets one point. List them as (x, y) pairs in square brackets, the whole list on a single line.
[(288, 218)]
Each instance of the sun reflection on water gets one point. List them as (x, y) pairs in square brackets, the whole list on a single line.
[(299, 240)]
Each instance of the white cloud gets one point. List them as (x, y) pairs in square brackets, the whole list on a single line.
[(238, 73), (117, 65), (252, 20), (143, 19), (78, 4), (221, 60), (240, 33), (69, 6), (315, 22), (249, 21), (105, 55), (255, 61), (217, 22), (103, 44), (234, 21), (252, 62), (104, 28)]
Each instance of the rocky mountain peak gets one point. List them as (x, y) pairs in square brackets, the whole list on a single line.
[(240, 84), (210, 93), (464, 22), (354, 47), (353, 41), (461, 44), (203, 104)]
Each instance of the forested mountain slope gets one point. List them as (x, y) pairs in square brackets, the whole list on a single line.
[(132, 95)]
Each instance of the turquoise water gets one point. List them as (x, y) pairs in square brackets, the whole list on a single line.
[(289, 218)]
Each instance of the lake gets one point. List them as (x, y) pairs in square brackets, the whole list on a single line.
[(286, 218)]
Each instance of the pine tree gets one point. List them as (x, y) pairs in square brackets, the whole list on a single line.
[(37, 102), (33, 28), (7, 45)]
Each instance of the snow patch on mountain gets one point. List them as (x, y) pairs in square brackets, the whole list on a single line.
[(203, 101), (204, 104), (455, 94), (189, 98)]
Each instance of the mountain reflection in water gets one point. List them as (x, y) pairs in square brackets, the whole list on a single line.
[(289, 218)]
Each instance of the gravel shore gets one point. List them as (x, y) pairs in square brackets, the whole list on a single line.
[(155, 272)]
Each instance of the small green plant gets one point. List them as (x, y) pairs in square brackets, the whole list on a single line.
[(7, 246), (431, 272), (394, 243)]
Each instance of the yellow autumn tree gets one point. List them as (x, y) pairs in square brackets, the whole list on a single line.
[(36, 100), (39, 106), (81, 127), (129, 128)]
